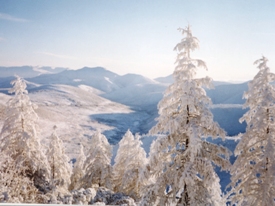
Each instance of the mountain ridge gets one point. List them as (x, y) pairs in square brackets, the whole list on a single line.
[(137, 92), (28, 71)]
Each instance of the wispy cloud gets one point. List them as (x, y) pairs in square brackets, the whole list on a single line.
[(60, 56), (12, 18)]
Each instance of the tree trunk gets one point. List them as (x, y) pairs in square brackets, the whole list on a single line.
[(267, 132), (187, 108), (53, 172), (185, 193), (267, 113)]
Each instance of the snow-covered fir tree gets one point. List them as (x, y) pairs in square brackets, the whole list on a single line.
[(253, 173), (61, 169), (130, 174), (97, 165), (78, 169), (19, 139), (121, 159), (186, 175)]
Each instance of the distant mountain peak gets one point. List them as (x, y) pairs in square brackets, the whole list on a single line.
[(28, 71), (94, 68), (93, 71)]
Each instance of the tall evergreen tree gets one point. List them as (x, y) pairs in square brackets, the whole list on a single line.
[(130, 172), (253, 173), (187, 173), (59, 163), (121, 159), (97, 166), (19, 139)]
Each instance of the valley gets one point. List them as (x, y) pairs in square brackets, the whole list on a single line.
[(80, 101)]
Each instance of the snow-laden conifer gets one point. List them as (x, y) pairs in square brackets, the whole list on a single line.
[(61, 169), (253, 173), (130, 174), (121, 159), (187, 175), (78, 169), (19, 139), (97, 165)]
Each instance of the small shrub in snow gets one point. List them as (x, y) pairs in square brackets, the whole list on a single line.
[(15, 186), (83, 196), (104, 195), (42, 199)]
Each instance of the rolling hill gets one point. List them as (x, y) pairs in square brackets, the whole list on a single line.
[(116, 102)]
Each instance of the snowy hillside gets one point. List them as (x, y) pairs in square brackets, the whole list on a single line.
[(165, 80), (138, 95), (132, 79), (228, 94), (97, 77), (71, 109), (169, 80), (84, 93)]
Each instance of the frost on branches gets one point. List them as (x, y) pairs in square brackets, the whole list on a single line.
[(98, 163), (253, 173), (130, 173), (187, 175), (78, 170), (59, 163), (25, 162), (14, 187)]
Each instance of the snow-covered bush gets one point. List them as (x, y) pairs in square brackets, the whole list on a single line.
[(83, 196), (104, 195), (13, 186)]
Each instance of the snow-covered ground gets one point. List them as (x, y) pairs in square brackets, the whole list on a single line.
[(71, 109)]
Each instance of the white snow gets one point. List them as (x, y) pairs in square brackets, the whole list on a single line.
[(77, 80), (90, 89), (41, 70), (70, 109), (108, 79)]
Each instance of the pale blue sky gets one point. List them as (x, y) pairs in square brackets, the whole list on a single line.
[(137, 36)]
